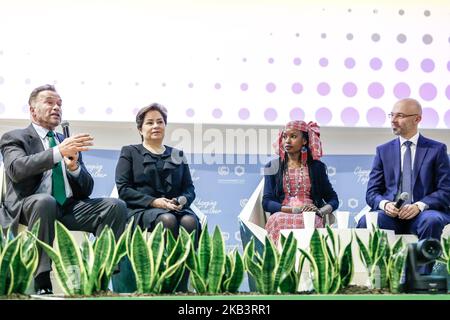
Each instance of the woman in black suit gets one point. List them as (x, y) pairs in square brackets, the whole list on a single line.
[(154, 179)]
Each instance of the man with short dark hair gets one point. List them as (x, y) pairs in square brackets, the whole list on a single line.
[(413, 164), (47, 180)]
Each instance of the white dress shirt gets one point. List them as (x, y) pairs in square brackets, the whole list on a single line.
[(46, 183), (422, 206)]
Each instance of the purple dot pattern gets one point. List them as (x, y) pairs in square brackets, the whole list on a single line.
[(401, 38), (271, 60), (448, 65), (244, 114), (271, 87), (349, 89), (430, 118), (297, 61), (297, 88), (427, 39), (376, 63), (447, 92), (270, 114), (428, 91), (402, 90), (217, 86), (350, 116), (375, 90), (190, 85), (323, 116), (401, 64), (427, 65), (349, 63), (190, 112), (323, 62), (217, 113), (244, 86), (323, 88), (376, 117), (297, 114), (109, 110), (447, 118)]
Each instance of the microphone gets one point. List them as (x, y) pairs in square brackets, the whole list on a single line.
[(65, 127), (181, 200), (403, 197)]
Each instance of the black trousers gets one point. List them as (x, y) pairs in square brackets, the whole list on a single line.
[(89, 215)]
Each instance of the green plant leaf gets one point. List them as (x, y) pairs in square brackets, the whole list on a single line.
[(70, 257), (217, 262), (253, 268), (204, 254), (346, 265), (287, 260), (140, 262), (9, 252), (268, 267), (233, 283)]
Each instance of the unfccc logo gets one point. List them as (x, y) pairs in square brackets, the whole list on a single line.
[(223, 170), (239, 170), (353, 203), (331, 171)]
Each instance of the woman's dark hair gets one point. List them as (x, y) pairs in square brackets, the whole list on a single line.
[(152, 107), (283, 164)]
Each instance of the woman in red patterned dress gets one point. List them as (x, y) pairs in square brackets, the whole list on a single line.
[(297, 180)]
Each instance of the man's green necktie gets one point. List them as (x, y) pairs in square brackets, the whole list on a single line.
[(58, 190)]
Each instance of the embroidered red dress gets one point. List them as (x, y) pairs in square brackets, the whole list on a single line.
[(298, 193)]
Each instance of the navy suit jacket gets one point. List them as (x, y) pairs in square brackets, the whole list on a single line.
[(321, 190), (431, 174)]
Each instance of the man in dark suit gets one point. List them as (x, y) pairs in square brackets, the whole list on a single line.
[(47, 180), (413, 164)]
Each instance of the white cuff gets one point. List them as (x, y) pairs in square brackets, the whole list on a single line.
[(383, 204), (75, 173), (57, 156), (422, 206)]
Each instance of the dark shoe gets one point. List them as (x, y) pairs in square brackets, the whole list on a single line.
[(44, 291), (42, 283)]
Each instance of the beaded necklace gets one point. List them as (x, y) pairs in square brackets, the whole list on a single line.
[(297, 182)]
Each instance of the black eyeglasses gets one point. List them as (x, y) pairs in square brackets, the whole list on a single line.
[(400, 115)]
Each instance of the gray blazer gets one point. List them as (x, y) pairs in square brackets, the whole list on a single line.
[(25, 161)]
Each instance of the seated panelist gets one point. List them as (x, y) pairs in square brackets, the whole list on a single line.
[(297, 180), (154, 179), (47, 181)]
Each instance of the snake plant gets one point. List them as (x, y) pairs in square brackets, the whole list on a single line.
[(213, 270), (375, 257), (445, 257), (274, 271), (18, 260), (158, 260), (87, 269), (396, 264), (331, 268)]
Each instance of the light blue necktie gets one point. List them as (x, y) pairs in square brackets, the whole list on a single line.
[(407, 171)]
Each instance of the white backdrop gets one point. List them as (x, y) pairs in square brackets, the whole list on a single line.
[(228, 62)]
